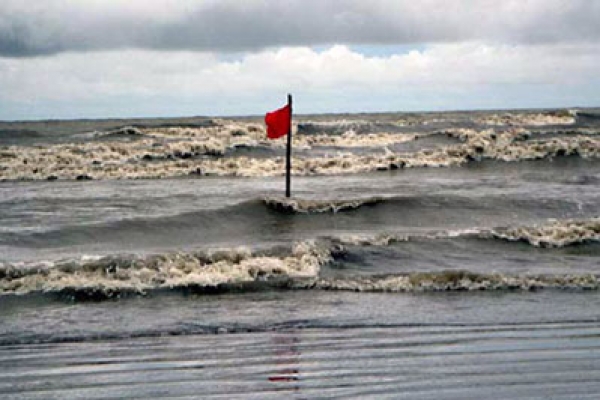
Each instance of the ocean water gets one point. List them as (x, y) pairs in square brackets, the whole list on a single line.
[(422, 256)]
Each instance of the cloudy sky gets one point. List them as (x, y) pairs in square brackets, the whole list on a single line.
[(118, 58)]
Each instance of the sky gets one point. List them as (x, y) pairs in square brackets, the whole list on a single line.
[(158, 58)]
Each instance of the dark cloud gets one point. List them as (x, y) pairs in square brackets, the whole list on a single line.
[(54, 26), (17, 40)]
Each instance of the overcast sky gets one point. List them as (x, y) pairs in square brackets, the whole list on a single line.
[(109, 58)]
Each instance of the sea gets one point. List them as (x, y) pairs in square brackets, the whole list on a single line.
[(440, 255)]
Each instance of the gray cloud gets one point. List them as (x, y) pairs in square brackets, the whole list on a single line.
[(53, 26)]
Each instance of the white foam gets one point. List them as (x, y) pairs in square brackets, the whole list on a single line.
[(529, 119), (554, 234), (185, 151), (381, 239), (352, 139), (454, 281), (307, 206), (139, 274)]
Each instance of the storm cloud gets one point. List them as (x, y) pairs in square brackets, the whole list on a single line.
[(114, 58), (47, 27)]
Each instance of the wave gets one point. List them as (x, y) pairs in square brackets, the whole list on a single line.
[(114, 276), (354, 126), (124, 131), (215, 150), (338, 126), (296, 267), (452, 281), (591, 115), (554, 234), (255, 219), (563, 117), (305, 206), (266, 219)]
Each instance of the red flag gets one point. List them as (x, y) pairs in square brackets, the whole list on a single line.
[(278, 122)]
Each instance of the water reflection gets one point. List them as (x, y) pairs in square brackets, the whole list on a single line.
[(286, 358)]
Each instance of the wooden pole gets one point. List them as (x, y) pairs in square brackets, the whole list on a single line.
[(288, 164)]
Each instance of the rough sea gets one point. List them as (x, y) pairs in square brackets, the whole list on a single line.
[(422, 256)]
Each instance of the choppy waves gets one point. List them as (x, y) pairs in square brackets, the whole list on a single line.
[(297, 267), (217, 150)]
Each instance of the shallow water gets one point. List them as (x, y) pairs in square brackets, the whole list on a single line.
[(287, 344)]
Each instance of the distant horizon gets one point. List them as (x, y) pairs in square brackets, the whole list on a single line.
[(316, 114)]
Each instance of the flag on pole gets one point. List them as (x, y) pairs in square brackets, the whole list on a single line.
[(278, 122)]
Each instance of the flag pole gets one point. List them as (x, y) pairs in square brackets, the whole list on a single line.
[(288, 163)]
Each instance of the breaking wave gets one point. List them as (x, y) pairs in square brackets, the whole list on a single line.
[(554, 234), (303, 206), (113, 276), (452, 281), (563, 117), (217, 150), (297, 267)]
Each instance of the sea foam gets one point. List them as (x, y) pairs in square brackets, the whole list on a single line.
[(297, 267), (112, 276), (170, 152), (306, 206)]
